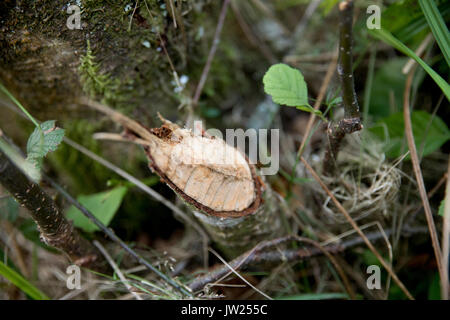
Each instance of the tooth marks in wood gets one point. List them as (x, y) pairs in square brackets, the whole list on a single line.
[(208, 200)]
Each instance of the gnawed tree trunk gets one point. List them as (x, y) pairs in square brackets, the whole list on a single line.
[(219, 183), (235, 235)]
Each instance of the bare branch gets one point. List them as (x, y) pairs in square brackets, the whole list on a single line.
[(352, 121)]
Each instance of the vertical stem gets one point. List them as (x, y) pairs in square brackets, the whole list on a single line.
[(345, 67), (352, 121)]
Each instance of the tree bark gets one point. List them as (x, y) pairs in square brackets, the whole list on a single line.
[(55, 230)]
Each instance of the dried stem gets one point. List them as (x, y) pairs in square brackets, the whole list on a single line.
[(445, 237), (211, 54), (418, 173), (117, 270), (352, 121), (55, 230)]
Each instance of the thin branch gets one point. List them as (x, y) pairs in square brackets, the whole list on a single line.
[(357, 229), (55, 230), (345, 68), (261, 255), (352, 121), (211, 54), (419, 178)]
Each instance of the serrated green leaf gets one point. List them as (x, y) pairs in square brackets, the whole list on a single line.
[(38, 146), (286, 86), (103, 206), (430, 136)]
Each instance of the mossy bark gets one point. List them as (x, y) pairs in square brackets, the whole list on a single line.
[(119, 57)]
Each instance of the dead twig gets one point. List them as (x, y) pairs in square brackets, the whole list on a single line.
[(261, 254)]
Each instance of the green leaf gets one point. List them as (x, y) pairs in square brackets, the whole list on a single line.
[(387, 37), (38, 146), (103, 206), (430, 136), (21, 283), (438, 27), (286, 85)]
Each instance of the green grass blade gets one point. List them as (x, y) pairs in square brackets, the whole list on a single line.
[(316, 296), (437, 26), (21, 283), (13, 99), (388, 38)]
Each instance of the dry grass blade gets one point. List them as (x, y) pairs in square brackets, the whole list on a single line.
[(322, 91), (237, 274), (116, 269), (355, 226), (445, 237), (420, 183), (212, 52)]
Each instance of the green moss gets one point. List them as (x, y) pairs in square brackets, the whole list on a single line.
[(96, 84)]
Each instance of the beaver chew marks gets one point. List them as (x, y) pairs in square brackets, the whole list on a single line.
[(207, 170)]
